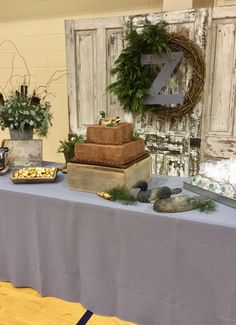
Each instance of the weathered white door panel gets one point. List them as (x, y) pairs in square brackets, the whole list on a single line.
[(174, 142), (114, 47), (219, 132), (92, 47), (86, 54)]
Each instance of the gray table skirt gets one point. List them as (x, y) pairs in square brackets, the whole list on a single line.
[(128, 261)]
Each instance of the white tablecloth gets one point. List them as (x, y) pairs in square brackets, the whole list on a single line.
[(128, 261)]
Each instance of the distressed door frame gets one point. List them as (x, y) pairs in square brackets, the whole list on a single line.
[(219, 143), (174, 146), (71, 28)]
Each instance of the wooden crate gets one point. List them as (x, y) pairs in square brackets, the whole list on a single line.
[(24, 152), (94, 178)]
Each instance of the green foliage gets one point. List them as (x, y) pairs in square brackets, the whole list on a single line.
[(122, 194), (67, 146), (23, 111), (206, 205), (134, 81), (136, 134), (102, 113)]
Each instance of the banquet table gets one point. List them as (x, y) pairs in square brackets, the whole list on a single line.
[(125, 260)]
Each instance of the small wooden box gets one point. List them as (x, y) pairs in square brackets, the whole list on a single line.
[(24, 152), (94, 178)]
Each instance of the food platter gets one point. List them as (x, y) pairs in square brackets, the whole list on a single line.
[(214, 196), (34, 175)]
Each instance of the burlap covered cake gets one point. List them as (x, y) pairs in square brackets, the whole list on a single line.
[(121, 133), (110, 145), (109, 154)]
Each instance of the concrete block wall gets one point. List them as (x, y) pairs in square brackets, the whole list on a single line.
[(42, 44), (37, 29)]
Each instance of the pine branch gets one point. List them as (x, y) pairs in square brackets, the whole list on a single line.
[(122, 194)]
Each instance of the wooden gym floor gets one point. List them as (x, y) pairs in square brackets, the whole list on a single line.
[(25, 306)]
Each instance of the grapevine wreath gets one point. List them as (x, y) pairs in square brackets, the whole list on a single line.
[(133, 81)]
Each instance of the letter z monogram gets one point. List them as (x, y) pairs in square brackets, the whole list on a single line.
[(170, 60)]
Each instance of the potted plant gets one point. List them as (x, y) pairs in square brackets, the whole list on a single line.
[(24, 114), (67, 146)]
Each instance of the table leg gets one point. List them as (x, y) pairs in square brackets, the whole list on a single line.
[(85, 318)]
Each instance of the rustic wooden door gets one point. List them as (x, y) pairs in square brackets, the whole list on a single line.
[(174, 143), (92, 47), (219, 126)]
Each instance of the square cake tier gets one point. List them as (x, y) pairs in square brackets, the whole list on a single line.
[(121, 133), (109, 154)]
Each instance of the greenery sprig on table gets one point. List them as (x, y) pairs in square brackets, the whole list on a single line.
[(207, 206), (122, 194), (134, 81)]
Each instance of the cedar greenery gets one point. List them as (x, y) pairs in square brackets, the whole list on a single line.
[(134, 81), (207, 206), (122, 194)]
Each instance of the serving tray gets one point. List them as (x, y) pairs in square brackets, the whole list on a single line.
[(214, 196), (47, 175)]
